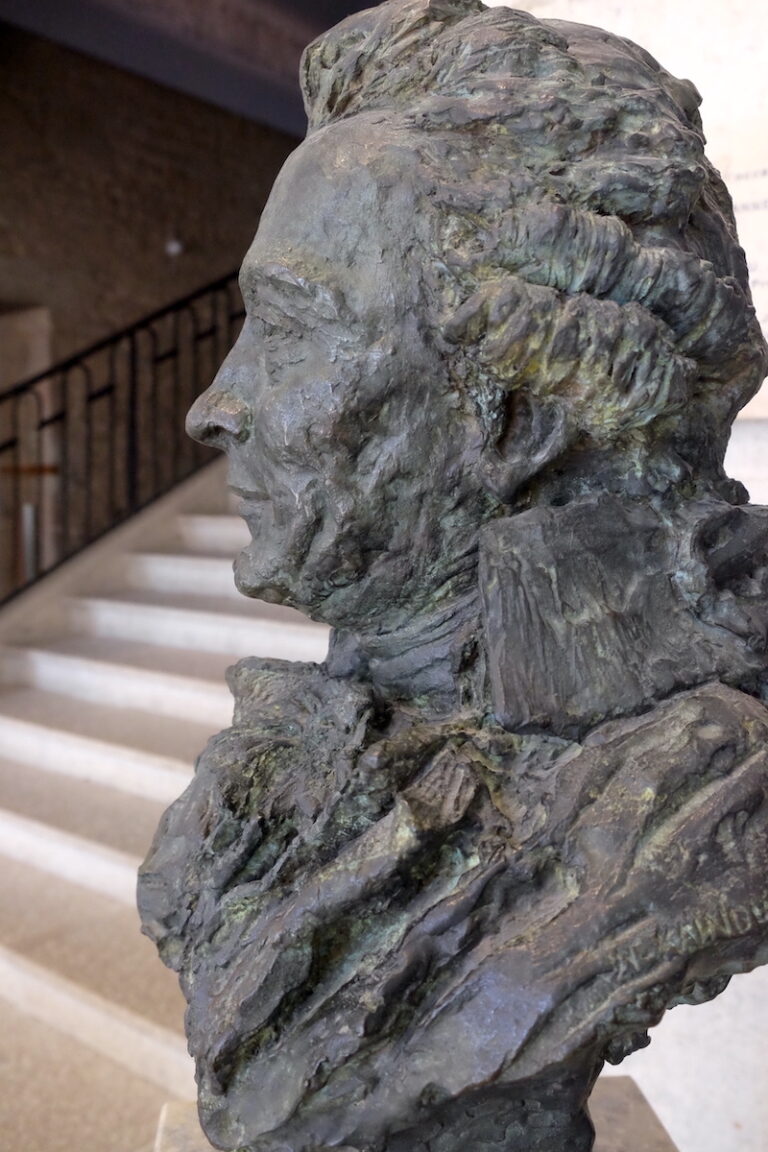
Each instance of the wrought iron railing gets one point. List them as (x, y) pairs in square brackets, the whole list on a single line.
[(96, 438)]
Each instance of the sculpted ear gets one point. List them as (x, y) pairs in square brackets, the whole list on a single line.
[(505, 327), (536, 432)]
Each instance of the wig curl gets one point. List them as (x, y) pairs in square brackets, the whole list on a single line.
[(584, 255)]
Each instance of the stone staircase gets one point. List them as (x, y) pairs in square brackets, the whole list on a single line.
[(112, 681)]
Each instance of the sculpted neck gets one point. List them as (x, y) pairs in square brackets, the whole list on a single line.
[(433, 661), (580, 613)]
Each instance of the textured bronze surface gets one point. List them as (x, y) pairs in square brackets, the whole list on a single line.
[(624, 1122), (498, 327)]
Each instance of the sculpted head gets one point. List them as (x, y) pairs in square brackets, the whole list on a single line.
[(499, 271)]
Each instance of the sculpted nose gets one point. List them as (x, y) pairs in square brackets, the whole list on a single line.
[(218, 417), (221, 415)]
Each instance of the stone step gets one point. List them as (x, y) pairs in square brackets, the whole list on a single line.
[(83, 862), (143, 753), (79, 808), (200, 623), (185, 573), (243, 607), (145, 1049), (222, 534), (208, 492), (124, 673), (76, 959), (61, 1096)]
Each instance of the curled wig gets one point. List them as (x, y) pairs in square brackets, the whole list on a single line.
[(584, 261)]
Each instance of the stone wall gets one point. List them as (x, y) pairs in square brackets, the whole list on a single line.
[(117, 195)]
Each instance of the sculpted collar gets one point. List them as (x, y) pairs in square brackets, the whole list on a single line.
[(587, 616)]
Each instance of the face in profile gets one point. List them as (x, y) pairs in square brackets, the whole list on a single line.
[(345, 442)]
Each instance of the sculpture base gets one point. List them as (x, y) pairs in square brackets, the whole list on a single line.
[(623, 1118)]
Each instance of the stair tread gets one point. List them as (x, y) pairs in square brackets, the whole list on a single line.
[(206, 666), (185, 569), (239, 606), (225, 516), (88, 1102), (183, 552), (88, 939), (82, 808), (148, 732), (221, 535)]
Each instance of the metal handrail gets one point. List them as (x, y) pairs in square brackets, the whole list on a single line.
[(99, 436)]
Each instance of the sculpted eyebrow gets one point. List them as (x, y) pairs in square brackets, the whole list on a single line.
[(272, 285)]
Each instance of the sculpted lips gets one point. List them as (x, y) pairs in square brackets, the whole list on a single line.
[(247, 495), (250, 506)]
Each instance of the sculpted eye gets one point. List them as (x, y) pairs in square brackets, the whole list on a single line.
[(272, 331), (282, 340)]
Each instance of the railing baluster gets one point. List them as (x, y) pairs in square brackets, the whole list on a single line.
[(30, 471), (66, 520), (153, 479), (132, 414), (176, 430), (111, 432), (48, 392), (18, 541), (89, 453)]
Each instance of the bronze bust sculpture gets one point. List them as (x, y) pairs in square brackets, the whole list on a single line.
[(498, 326)]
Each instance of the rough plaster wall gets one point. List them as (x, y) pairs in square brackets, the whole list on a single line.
[(104, 175)]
